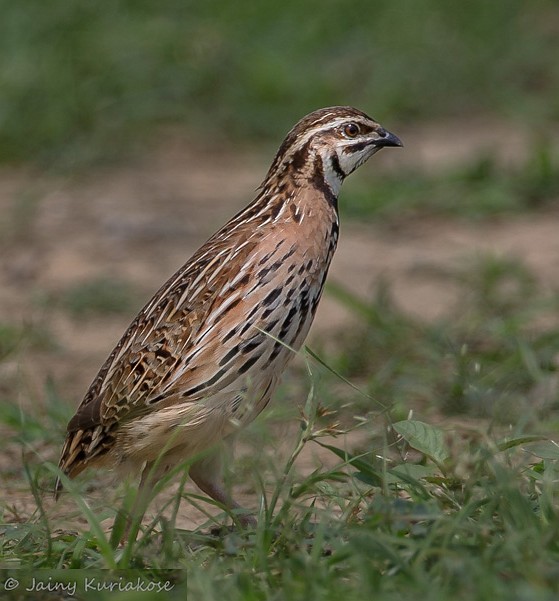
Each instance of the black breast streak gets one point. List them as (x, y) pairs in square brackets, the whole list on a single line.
[(249, 317), (316, 299), (275, 266), (229, 334), (229, 355), (248, 364), (216, 377), (269, 327), (251, 344), (268, 312), (244, 329), (304, 309), (272, 296), (300, 310), (275, 352), (266, 257), (266, 270), (287, 322), (289, 253), (289, 294)]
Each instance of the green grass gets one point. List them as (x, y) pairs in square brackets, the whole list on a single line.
[(476, 190), (475, 521), (85, 81), (467, 509), (493, 354)]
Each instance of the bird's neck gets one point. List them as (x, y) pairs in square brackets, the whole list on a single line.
[(317, 175), (326, 176)]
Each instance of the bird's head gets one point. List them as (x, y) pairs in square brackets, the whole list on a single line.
[(330, 143)]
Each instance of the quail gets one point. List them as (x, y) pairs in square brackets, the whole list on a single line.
[(203, 357)]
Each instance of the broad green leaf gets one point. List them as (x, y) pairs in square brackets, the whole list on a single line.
[(367, 473), (355, 461), (424, 438), (369, 479), (410, 473)]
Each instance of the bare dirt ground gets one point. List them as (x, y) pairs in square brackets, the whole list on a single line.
[(139, 222)]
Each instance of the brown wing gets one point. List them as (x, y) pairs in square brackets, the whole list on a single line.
[(141, 371), (134, 373)]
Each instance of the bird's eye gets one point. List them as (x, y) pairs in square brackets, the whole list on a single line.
[(351, 130)]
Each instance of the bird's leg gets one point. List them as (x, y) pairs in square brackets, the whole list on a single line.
[(207, 475), (151, 474)]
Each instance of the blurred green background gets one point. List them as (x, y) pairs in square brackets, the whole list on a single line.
[(83, 81), (130, 129)]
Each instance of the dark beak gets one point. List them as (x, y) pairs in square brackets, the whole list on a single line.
[(386, 139)]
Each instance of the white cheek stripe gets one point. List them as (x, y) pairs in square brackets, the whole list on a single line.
[(331, 176)]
